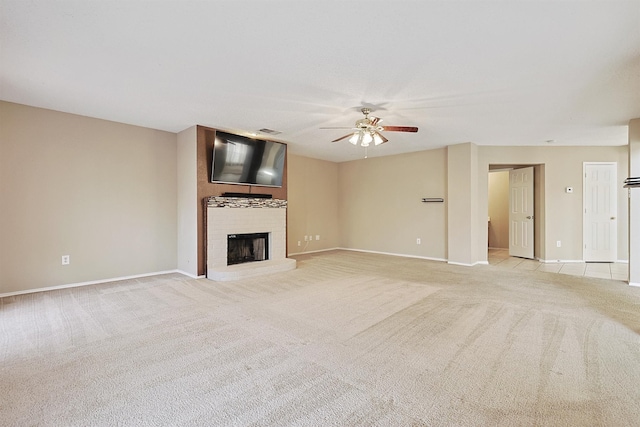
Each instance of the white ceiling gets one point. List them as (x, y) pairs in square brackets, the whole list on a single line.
[(492, 73)]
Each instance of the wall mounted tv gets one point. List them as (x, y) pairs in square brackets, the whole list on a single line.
[(242, 160)]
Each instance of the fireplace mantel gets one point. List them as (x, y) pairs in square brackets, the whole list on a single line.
[(239, 215)]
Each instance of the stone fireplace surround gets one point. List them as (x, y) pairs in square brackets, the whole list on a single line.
[(239, 215)]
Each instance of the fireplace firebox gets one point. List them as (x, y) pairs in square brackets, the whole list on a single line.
[(250, 247)]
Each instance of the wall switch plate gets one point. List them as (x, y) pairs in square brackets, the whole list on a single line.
[(569, 189), (418, 241), (558, 244), (66, 260), (317, 237)]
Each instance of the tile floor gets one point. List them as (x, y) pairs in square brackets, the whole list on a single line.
[(613, 271)]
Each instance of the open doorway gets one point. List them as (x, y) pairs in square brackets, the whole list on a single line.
[(499, 230), (498, 215)]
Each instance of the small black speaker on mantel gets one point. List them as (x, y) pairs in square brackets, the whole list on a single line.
[(248, 195)]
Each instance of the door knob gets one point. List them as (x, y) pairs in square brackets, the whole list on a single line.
[(613, 217), (529, 217)]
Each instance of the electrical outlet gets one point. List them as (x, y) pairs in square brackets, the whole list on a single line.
[(66, 260), (306, 238), (418, 241), (298, 242), (317, 237), (558, 244)]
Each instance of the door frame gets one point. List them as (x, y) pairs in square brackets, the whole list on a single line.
[(539, 194)]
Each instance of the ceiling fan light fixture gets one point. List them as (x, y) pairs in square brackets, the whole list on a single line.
[(366, 139), (369, 130)]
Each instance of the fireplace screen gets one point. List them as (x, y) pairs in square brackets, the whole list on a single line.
[(247, 248)]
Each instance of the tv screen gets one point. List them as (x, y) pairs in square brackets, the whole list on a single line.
[(242, 160)]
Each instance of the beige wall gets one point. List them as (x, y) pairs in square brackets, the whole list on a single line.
[(462, 212), (107, 195), (634, 203), (563, 167), (378, 213), (187, 197), (102, 192), (380, 207), (539, 212), (499, 209), (312, 204)]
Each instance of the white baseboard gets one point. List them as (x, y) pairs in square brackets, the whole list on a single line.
[(92, 282), (313, 252), (393, 254), (634, 284), (560, 261), (568, 261), (468, 265), (193, 276)]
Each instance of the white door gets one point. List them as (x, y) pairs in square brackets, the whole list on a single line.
[(521, 212), (600, 223)]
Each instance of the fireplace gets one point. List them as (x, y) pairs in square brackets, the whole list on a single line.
[(249, 247), (252, 219)]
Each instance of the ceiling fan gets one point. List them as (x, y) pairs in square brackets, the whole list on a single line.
[(368, 130)]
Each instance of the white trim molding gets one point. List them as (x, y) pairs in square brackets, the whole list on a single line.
[(560, 261), (394, 254), (314, 252), (92, 282), (193, 276), (468, 265)]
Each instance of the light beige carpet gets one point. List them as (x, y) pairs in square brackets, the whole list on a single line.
[(347, 339)]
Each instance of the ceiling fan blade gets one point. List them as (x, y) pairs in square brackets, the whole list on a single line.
[(400, 128), (342, 137), (374, 120)]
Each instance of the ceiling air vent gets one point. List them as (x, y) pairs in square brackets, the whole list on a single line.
[(270, 131)]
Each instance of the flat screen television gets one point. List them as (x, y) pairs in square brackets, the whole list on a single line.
[(242, 160)]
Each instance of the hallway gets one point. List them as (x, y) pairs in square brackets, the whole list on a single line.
[(613, 271)]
